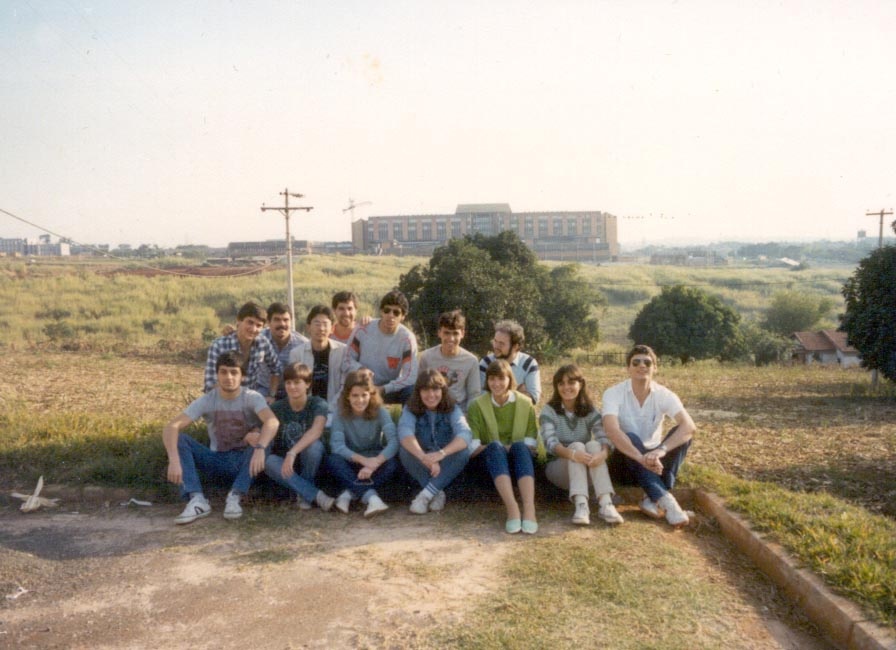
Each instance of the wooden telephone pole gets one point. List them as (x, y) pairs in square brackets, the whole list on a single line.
[(285, 210), (880, 244)]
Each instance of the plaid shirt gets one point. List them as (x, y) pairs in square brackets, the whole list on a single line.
[(261, 353)]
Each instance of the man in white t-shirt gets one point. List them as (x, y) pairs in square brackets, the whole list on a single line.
[(633, 415)]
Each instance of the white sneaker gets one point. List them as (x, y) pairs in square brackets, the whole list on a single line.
[(303, 505), (232, 508), (674, 514), (582, 515), (438, 501), (609, 514), (649, 508), (344, 501), (323, 500), (375, 505), (197, 508), (420, 504)]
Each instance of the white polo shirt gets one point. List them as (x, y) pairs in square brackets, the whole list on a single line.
[(645, 421)]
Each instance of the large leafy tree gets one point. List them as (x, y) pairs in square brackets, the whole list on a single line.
[(492, 278), (795, 311), (689, 324), (870, 317)]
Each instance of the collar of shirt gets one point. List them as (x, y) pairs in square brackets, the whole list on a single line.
[(510, 400)]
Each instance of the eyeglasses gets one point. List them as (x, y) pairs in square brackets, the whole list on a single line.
[(392, 311), (637, 361)]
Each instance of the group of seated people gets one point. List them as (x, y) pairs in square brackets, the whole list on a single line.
[(279, 403)]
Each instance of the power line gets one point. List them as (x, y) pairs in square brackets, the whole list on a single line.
[(140, 263)]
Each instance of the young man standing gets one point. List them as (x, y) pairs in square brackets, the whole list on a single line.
[(388, 349), (254, 351), (236, 453), (459, 366), (284, 339), (508, 340), (324, 355), (345, 306)]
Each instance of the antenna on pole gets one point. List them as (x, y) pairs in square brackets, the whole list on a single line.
[(285, 210), (352, 205)]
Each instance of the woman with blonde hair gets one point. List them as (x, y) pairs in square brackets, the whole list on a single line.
[(504, 431)]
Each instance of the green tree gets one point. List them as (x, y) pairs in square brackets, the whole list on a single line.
[(567, 303), (492, 278), (688, 323), (765, 347), (870, 317), (795, 311)]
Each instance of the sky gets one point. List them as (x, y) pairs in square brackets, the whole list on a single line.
[(170, 122)]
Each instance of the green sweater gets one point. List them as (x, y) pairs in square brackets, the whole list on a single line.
[(512, 422)]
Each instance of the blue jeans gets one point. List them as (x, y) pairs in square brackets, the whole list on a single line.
[(346, 474), (630, 471), (310, 460), (498, 460), (273, 465), (399, 396), (220, 466), (451, 466)]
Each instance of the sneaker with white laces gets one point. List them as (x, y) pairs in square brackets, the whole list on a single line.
[(324, 501), (649, 508), (344, 501), (232, 508), (609, 514), (438, 501), (375, 505), (420, 504), (674, 514), (197, 507), (302, 504), (582, 515)]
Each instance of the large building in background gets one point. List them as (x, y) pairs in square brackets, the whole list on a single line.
[(587, 236)]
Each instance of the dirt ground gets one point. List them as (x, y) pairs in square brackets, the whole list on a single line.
[(103, 575)]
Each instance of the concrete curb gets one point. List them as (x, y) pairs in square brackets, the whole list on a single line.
[(841, 620)]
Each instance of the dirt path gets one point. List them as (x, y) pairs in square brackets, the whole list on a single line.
[(116, 577)]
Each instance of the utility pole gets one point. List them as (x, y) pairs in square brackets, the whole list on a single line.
[(880, 234), (880, 244), (285, 210)]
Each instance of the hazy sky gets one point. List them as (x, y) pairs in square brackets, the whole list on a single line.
[(171, 122)]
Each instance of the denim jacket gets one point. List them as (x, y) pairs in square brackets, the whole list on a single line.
[(434, 430)]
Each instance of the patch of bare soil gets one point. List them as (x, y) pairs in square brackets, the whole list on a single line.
[(115, 577)]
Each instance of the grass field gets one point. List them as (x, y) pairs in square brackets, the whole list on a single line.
[(104, 306), (807, 453)]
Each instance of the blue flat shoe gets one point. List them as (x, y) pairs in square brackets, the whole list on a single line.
[(529, 527), (513, 526)]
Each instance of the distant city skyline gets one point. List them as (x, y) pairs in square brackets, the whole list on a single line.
[(172, 123)]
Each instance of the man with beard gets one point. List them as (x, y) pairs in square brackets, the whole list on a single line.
[(254, 352), (345, 308), (284, 340), (506, 344)]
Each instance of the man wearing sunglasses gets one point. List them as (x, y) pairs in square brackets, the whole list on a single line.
[(388, 349), (634, 412)]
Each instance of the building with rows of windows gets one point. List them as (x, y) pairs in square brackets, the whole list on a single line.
[(583, 236)]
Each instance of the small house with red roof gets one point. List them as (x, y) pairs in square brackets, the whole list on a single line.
[(824, 346)]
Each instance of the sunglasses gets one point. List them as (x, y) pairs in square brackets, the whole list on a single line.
[(392, 311), (638, 361)]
